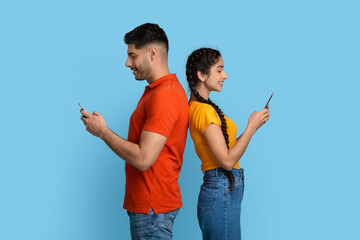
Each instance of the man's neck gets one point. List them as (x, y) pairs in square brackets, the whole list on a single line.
[(155, 75)]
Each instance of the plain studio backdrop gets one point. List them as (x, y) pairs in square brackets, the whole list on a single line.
[(301, 168)]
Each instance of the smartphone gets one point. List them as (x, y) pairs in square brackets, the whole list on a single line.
[(269, 99), (81, 107)]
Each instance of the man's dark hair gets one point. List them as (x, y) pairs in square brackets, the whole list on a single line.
[(145, 34)]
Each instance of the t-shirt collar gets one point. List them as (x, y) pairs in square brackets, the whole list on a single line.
[(162, 80)]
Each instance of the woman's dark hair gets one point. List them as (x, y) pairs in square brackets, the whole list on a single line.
[(202, 60), (145, 34)]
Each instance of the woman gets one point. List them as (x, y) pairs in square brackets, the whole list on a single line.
[(214, 136)]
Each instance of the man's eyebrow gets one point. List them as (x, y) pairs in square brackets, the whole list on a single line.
[(220, 66)]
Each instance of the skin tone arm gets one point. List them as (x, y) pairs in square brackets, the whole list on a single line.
[(142, 155), (227, 158)]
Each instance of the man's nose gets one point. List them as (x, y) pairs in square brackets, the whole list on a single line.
[(128, 62)]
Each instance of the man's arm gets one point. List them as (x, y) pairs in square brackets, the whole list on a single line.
[(142, 155)]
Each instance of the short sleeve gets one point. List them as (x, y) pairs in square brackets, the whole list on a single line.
[(162, 112), (203, 115)]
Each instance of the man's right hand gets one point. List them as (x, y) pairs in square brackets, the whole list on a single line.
[(94, 123)]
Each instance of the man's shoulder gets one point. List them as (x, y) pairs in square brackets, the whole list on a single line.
[(172, 90)]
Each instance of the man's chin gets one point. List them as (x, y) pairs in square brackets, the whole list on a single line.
[(139, 79)]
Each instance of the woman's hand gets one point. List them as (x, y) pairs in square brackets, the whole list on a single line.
[(257, 119)]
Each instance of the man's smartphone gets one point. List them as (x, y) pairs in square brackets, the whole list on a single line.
[(269, 99), (81, 107)]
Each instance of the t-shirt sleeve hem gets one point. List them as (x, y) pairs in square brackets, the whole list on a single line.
[(202, 132), (157, 130)]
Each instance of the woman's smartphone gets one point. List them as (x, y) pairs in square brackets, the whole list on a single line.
[(269, 100)]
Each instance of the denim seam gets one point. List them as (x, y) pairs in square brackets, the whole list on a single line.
[(225, 211), (243, 187)]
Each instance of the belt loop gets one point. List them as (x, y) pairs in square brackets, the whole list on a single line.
[(216, 172)]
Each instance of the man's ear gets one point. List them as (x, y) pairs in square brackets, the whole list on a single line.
[(201, 76), (152, 53)]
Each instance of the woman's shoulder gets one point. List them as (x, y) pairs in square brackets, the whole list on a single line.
[(202, 112), (196, 106)]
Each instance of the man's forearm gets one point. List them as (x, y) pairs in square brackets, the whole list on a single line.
[(128, 151)]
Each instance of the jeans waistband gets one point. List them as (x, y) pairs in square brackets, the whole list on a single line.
[(219, 172)]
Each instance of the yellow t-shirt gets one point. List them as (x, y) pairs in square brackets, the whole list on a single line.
[(200, 116)]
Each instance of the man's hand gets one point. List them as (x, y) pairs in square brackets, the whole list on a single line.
[(94, 123), (142, 155)]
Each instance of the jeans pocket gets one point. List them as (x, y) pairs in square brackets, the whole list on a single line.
[(237, 183), (138, 218), (169, 219), (207, 197)]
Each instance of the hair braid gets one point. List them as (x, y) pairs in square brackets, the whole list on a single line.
[(202, 60)]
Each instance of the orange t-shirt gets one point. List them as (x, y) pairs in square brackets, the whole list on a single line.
[(163, 109), (200, 116)]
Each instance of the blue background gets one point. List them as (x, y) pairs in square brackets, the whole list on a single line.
[(301, 168)]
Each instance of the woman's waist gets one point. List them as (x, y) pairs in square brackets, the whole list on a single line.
[(221, 172)]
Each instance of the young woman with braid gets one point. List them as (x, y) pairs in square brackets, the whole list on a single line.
[(214, 136)]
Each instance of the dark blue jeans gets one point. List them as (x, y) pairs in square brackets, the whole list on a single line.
[(152, 226), (219, 207)]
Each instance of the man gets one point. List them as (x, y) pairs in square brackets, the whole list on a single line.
[(156, 140)]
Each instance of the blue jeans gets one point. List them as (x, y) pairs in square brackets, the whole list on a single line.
[(219, 208), (152, 226)]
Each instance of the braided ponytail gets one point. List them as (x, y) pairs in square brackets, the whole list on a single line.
[(201, 60)]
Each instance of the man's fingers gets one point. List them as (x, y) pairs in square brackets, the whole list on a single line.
[(96, 113), (85, 113), (83, 118)]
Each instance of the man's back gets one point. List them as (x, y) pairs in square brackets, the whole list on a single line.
[(162, 109)]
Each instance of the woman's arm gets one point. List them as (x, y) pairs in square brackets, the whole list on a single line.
[(227, 158)]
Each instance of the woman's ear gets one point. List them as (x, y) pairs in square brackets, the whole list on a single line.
[(201, 76)]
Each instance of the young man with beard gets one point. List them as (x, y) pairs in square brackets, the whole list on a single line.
[(156, 140)]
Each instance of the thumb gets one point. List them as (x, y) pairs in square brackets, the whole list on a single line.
[(96, 113), (85, 113)]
